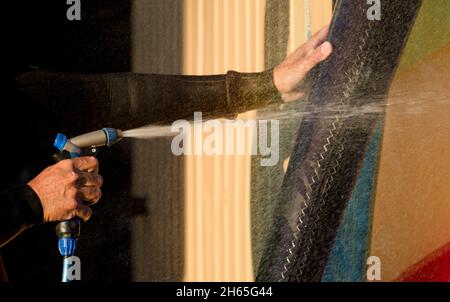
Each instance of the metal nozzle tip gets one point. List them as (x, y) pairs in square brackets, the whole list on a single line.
[(112, 136)]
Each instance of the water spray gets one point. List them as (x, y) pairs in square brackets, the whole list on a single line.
[(68, 232)]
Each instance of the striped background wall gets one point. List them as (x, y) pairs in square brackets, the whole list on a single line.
[(220, 35)]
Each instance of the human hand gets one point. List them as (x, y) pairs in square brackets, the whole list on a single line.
[(68, 188), (289, 75)]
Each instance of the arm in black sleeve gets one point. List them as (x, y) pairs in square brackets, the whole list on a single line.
[(130, 100), (20, 208)]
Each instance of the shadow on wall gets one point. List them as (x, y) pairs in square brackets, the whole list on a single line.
[(136, 232)]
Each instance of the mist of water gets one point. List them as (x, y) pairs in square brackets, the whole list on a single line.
[(407, 107)]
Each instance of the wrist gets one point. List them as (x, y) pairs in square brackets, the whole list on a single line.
[(31, 205)]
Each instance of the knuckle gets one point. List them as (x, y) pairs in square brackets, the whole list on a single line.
[(301, 67), (94, 193), (100, 180), (309, 49), (94, 160), (70, 216), (73, 177), (80, 161), (94, 196), (98, 195), (86, 213)]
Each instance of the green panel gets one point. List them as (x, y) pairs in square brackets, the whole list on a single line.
[(431, 32)]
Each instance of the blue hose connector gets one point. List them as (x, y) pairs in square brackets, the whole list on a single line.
[(111, 136), (60, 141), (67, 246)]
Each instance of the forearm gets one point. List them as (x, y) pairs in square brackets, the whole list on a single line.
[(20, 208), (164, 98), (129, 100)]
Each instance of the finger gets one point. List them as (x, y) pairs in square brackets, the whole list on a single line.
[(87, 164), (319, 37), (308, 47), (86, 179), (84, 212), (89, 195), (318, 55)]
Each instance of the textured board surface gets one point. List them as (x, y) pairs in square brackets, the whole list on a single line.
[(332, 142)]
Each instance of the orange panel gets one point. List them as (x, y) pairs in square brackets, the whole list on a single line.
[(412, 207)]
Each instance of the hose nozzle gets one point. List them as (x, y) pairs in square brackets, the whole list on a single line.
[(100, 138)]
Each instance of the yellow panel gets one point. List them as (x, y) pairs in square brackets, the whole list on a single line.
[(220, 35)]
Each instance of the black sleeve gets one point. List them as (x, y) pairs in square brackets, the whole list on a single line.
[(20, 208), (130, 100)]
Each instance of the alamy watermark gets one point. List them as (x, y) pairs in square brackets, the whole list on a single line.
[(374, 11), (74, 11), (373, 268), (71, 269), (229, 137)]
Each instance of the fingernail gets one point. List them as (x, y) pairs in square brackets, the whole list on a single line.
[(326, 48)]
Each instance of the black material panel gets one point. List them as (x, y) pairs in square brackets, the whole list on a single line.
[(346, 101)]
